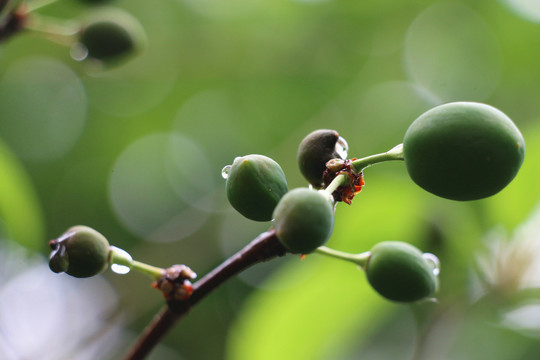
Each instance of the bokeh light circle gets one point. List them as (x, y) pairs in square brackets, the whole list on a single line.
[(156, 185), (527, 9), (44, 108), (451, 51)]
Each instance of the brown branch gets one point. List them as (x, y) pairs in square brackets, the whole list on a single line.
[(265, 247)]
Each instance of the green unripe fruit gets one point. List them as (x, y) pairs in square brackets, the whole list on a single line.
[(304, 220), (112, 35), (463, 150), (255, 184), (314, 152), (81, 252), (399, 272)]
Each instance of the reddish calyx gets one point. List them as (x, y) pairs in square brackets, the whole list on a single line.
[(343, 193)]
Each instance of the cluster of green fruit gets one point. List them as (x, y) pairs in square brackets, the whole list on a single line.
[(107, 34), (460, 151)]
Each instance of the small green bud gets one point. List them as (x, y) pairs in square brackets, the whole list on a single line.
[(81, 252), (255, 183), (111, 35), (463, 150), (315, 150), (400, 272), (304, 220)]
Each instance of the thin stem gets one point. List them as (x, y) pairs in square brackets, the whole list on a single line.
[(265, 247), (340, 180), (152, 271), (358, 259), (396, 153), (60, 31)]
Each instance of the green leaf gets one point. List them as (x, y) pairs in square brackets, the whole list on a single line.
[(20, 212)]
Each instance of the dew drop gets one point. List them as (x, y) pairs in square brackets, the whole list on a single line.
[(122, 261), (78, 52), (225, 171), (120, 269), (434, 262), (342, 148)]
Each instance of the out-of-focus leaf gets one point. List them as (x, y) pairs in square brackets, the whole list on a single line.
[(519, 198), (327, 305), (20, 212)]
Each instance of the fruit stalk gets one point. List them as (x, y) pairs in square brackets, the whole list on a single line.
[(264, 247)]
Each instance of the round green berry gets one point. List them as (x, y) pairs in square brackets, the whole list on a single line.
[(314, 152), (399, 272), (255, 184), (112, 35), (463, 150), (303, 220), (81, 252)]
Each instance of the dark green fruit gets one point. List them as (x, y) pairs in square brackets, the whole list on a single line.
[(315, 151), (304, 220), (81, 252), (399, 272), (463, 150), (111, 35), (255, 183)]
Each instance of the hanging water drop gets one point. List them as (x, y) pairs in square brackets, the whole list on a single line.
[(120, 269), (225, 171), (434, 262), (342, 148), (121, 261), (78, 52)]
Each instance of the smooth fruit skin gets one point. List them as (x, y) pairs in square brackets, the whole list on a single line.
[(398, 272), (304, 220), (87, 251), (315, 150), (255, 184), (463, 151)]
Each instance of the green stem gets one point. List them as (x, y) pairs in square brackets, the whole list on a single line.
[(340, 180), (61, 31), (358, 259), (153, 271), (396, 153)]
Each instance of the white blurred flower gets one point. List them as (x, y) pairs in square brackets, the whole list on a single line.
[(512, 264), (509, 266), (49, 316)]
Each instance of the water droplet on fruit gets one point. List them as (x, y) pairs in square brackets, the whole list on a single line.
[(434, 262), (225, 171), (342, 148), (78, 52)]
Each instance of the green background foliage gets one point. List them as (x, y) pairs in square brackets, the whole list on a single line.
[(136, 151)]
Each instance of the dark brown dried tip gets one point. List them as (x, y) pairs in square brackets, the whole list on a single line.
[(314, 152)]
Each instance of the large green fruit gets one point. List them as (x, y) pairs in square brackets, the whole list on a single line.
[(399, 272), (255, 183), (304, 220), (81, 252), (463, 150), (314, 152)]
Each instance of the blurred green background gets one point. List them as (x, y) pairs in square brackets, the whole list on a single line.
[(136, 151)]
